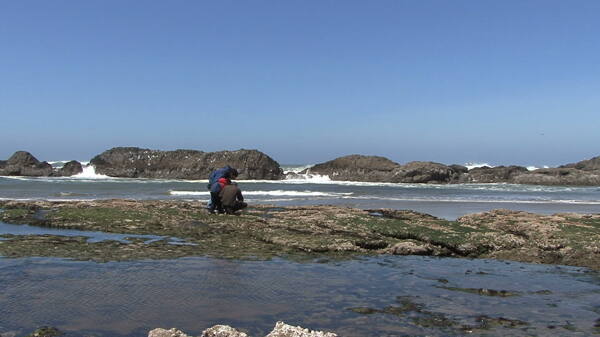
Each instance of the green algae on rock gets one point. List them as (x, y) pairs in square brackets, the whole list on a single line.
[(263, 232)]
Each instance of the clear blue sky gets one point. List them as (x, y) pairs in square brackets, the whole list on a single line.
[(504, 82)]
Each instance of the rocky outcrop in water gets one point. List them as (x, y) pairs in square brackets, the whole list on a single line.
[(356, 168), (23, 163), (133, 162), (281, 330), (69, 169), (499, 174), (380, 169)]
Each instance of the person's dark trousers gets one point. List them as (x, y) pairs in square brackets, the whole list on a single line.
[(215, 203), (236, 207)]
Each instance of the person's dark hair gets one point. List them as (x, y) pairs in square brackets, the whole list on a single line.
[(233, 173)]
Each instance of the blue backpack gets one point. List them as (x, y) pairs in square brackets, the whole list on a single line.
[(217, 174)]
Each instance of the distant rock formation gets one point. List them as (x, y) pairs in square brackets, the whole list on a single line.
[(23, 163), (592, 164), (424, 172), (498, 174), (356, 168), (380, 169), (281, 330), (559, 176), (133, 162)]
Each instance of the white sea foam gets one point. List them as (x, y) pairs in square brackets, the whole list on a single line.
[(89, 172), (277, 193), (533, 168), (295, 168), (471, 166)]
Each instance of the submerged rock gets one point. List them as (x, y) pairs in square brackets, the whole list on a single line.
[(46, 332), (133, 162)]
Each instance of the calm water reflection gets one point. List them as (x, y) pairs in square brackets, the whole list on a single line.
[(130, 298)]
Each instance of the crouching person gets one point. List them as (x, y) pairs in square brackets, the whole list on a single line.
[(231, 198)]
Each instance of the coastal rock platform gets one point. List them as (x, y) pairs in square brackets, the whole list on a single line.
[(302, 232)]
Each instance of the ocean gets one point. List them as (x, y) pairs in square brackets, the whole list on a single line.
[(445, 201)]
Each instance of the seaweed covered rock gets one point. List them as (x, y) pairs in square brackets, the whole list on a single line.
[(133, 162)]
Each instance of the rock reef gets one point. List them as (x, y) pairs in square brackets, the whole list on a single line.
[(304, 232)]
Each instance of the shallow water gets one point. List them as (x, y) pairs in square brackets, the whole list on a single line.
[(91, 235), (130, 298)]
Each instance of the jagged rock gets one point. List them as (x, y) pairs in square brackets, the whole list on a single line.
[(592, 164), (459, 169), (281, 330), (424, 172), (166, 333), (410, 248), (70, 169), (132, 162), (222, 331), (356, 168), (499, 174), (23, 163), (284, 330)]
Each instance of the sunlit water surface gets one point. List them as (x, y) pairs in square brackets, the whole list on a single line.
[(130, 298)]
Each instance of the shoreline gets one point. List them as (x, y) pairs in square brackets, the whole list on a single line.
[(296, 232)]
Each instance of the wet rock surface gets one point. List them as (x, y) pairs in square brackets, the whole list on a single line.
[(263, 232), (132, 162), (281, 330)]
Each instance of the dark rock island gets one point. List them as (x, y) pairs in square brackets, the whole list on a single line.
[(133, 162)]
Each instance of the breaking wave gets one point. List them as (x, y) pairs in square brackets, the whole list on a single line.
[(277, 193)]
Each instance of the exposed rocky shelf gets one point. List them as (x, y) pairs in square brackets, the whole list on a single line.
[(263, 232)]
